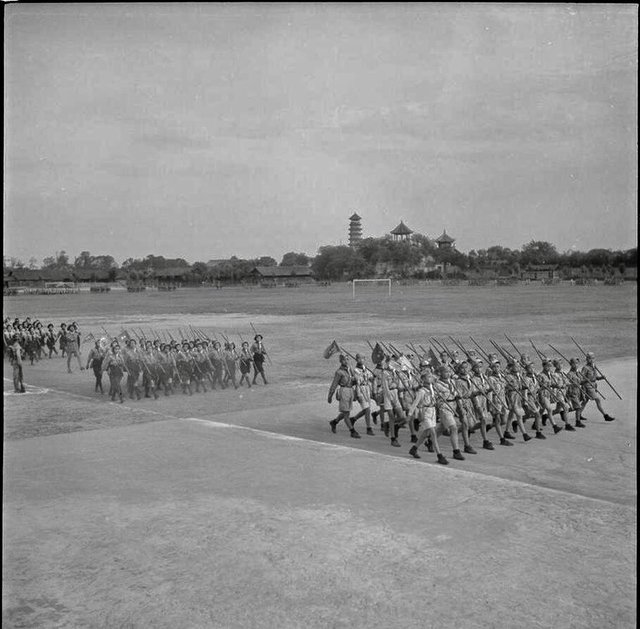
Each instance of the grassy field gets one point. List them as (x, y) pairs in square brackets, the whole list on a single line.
[(241, 509)]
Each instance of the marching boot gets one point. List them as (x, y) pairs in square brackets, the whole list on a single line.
[(414, 452)]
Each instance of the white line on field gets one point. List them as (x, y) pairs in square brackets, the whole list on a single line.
[(333, 446)]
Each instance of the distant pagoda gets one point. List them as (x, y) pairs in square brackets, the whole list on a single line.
[(445, 241), (355, 230), (401, 232)]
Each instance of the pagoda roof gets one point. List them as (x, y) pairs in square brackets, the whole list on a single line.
[(445, 237), (402, 230), (355, 217)]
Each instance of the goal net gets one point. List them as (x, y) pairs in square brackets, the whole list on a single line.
[(377, 287)]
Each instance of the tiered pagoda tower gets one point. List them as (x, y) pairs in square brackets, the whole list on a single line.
[(355, 230)]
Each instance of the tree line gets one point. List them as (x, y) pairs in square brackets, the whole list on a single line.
[(416, 258)]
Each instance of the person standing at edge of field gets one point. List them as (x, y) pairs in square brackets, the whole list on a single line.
[(424, 404), (94, 360), (71, 347), (16, 356), (342, 386), (259, 353), (246, 358), (363, 391), (591, 376)]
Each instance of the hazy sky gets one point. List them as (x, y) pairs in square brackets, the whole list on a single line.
[(205, 131)]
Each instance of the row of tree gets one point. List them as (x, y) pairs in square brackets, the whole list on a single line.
[(419, 257)]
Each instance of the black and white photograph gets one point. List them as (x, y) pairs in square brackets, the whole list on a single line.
[(320, 315)]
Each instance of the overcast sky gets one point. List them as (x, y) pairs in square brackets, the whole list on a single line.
[(205, 131)]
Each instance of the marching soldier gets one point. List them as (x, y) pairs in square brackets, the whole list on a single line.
[(94, 360), (342, 386), (446, 396), (480, 391), (591, 376), (514, 387), (246, 359), (424, 404), (363, 377), (259, 354), (114, 365), (548, 399)]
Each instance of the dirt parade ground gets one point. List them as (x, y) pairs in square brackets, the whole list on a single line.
[(240, 508)]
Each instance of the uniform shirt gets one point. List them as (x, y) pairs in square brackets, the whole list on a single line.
[(342, 378)]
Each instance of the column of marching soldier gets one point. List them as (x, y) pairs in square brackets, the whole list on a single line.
[(151, 366), (458, 393)]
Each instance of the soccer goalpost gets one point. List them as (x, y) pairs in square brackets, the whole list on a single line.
[(374, 282)]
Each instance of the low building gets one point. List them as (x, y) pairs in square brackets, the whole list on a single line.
[(282, 275), (537, 272)]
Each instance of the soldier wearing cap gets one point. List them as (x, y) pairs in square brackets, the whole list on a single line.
[(548, 398), (94, 360), (16, 355), (446, 399), (113, 364), (480, 399), (514, 389), (245, 362), (363, 378), (342, 386), (560, 389), (424, 407), (50, 340), (575, 391), (392, 405), (591, 375), (259, 353), (71, 337), (532, 403), (464, 392)]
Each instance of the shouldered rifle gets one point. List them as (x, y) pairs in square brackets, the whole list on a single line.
[(597, 370)]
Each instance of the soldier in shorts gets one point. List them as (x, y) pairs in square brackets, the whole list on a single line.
[(424, 406), (446, 397), (591, 376), (363, 377), (342, 386)]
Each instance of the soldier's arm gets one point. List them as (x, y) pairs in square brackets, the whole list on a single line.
[(334, 385)]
